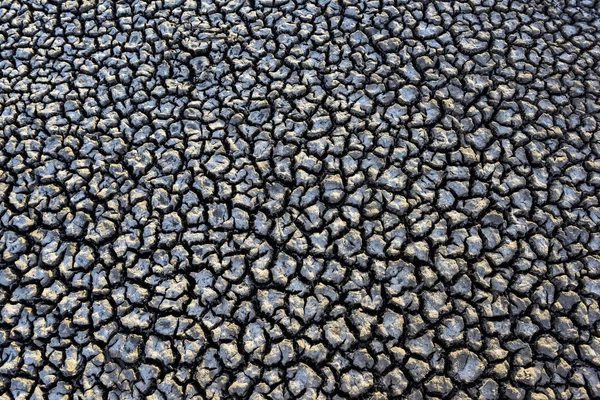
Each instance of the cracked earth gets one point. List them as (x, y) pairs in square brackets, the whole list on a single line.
[(312, 199)]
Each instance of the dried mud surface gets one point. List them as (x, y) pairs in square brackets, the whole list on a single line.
[(320, 199)]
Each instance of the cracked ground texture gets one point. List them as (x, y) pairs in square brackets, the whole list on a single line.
[(315, 199)]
